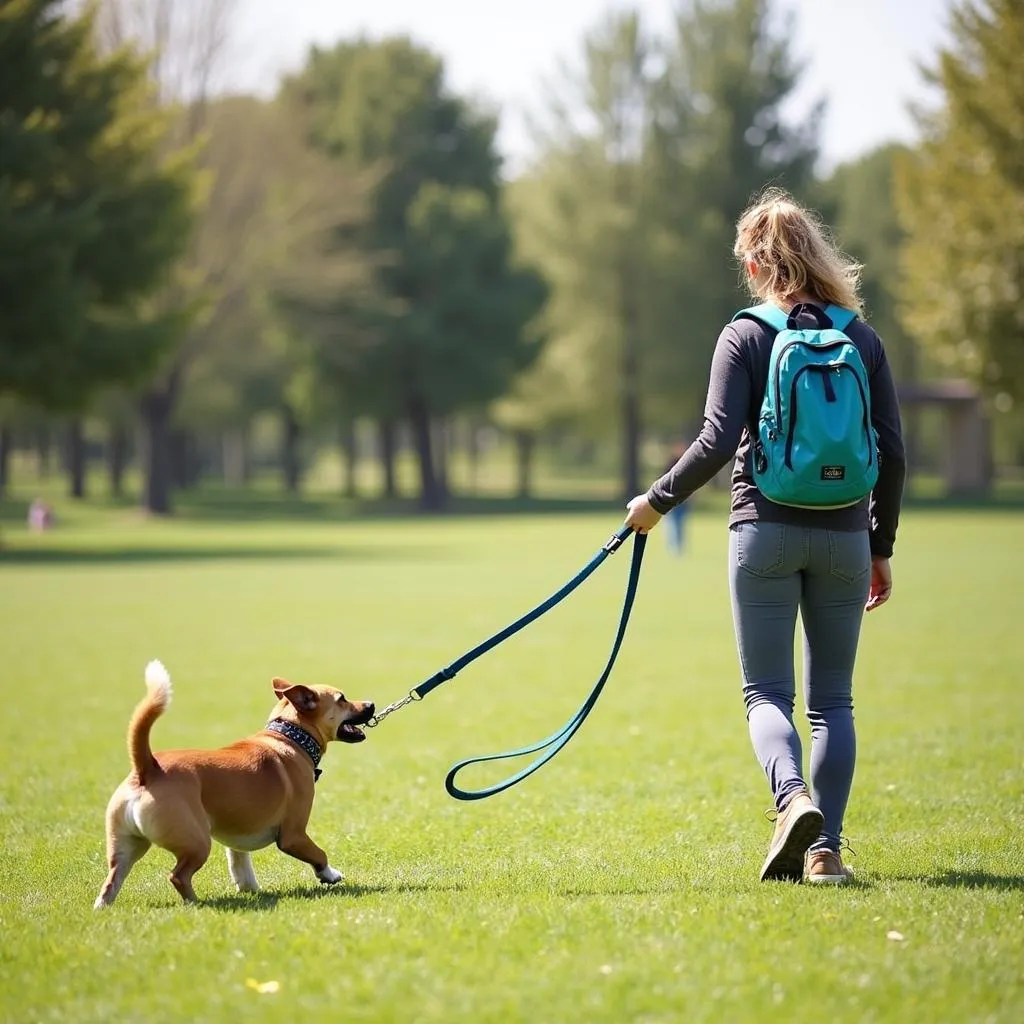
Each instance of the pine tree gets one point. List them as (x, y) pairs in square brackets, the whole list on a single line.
[(859, 201), (961, 201), (90, 216), (721, 139)]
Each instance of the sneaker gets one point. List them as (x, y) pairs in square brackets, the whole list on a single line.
[(796, 827), (826, 867)]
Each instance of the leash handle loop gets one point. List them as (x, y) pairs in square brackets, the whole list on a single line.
[(557, 740)]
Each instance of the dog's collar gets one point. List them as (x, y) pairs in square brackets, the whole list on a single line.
[(301, 738)]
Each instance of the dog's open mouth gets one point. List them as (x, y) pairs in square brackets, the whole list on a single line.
[(349, 733)]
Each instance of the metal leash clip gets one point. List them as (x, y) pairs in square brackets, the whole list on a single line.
[(409, 698)]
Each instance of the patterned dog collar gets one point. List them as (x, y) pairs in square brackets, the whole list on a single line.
[(300, 738)]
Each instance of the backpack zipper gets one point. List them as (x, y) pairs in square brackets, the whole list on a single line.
[(792, 406), (785, 348)]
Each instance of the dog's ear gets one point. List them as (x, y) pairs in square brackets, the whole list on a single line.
[(302, 698)]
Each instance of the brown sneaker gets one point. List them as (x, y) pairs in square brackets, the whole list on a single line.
[(826, 867), (796, 827)]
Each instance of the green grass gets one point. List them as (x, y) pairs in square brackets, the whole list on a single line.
[(618, 884)]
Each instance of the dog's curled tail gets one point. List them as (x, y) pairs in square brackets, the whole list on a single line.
[(148, 710)]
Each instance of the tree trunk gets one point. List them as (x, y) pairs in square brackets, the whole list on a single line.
[(5, 457), (349, 458), (156, 408), (630, 396), (117, 458), (176, 447), (525, 441), (76, 459), (43, 450), (290, 466), (431, 496), (441, 460), (195, 459), (235, 458), (629, 363), (186, 462), (473, 454), (388, 446)]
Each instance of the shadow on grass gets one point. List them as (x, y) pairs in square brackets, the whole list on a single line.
[(241, 506), (170, 553), (950, 879), (266, 900), (219, 505), (705, 884)]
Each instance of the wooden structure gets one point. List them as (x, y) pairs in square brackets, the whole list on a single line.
[(968, 465)]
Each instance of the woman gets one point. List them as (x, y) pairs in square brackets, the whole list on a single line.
[(830, 564)]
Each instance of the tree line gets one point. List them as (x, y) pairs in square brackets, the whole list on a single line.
[(351, 252)]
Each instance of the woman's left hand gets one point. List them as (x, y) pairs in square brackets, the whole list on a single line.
[(642, 518)]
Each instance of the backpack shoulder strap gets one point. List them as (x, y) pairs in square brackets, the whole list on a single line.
[(841, 317), (768, 313)]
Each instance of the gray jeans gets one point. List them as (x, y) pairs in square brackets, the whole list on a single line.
[(773, 571)]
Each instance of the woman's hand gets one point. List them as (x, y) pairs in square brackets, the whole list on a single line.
[(881, 583), (642, 518)]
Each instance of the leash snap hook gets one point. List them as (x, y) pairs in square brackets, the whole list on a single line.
[(398, 705)]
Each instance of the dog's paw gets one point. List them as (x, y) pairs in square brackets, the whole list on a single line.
[(329, 876)]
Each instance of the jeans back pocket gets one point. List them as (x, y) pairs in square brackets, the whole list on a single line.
[(849, 555), (761, 547)]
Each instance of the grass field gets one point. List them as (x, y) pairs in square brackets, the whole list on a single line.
[(618, 884)]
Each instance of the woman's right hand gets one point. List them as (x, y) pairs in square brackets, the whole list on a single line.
[(881, 583)]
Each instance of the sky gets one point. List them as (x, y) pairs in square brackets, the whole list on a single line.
[(861, 55)]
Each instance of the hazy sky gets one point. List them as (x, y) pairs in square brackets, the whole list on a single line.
[(861, 54)]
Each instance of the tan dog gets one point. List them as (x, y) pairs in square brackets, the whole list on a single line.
[(248, 795)]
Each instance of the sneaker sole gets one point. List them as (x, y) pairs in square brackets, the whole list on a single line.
[(829, 879), (786, 864)]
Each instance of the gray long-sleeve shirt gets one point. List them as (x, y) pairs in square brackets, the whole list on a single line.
[(739, 376)]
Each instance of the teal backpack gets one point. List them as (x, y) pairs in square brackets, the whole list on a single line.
[(816, 447)]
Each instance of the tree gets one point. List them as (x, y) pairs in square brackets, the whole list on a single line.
[(184, 42), (552, 393), (597, 227), (961, 202), (285, 213), (8, 414), (447, 327), (859, 200), (91, 217), (653, 150), (719, 138), (463, 339)]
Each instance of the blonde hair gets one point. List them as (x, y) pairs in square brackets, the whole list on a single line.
[(794, 254)]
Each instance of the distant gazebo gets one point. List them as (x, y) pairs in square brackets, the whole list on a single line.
[(968, 443)]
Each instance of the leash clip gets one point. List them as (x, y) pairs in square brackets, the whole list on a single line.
[(397, 706)]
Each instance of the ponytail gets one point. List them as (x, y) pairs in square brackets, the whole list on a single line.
[(794, 254)]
